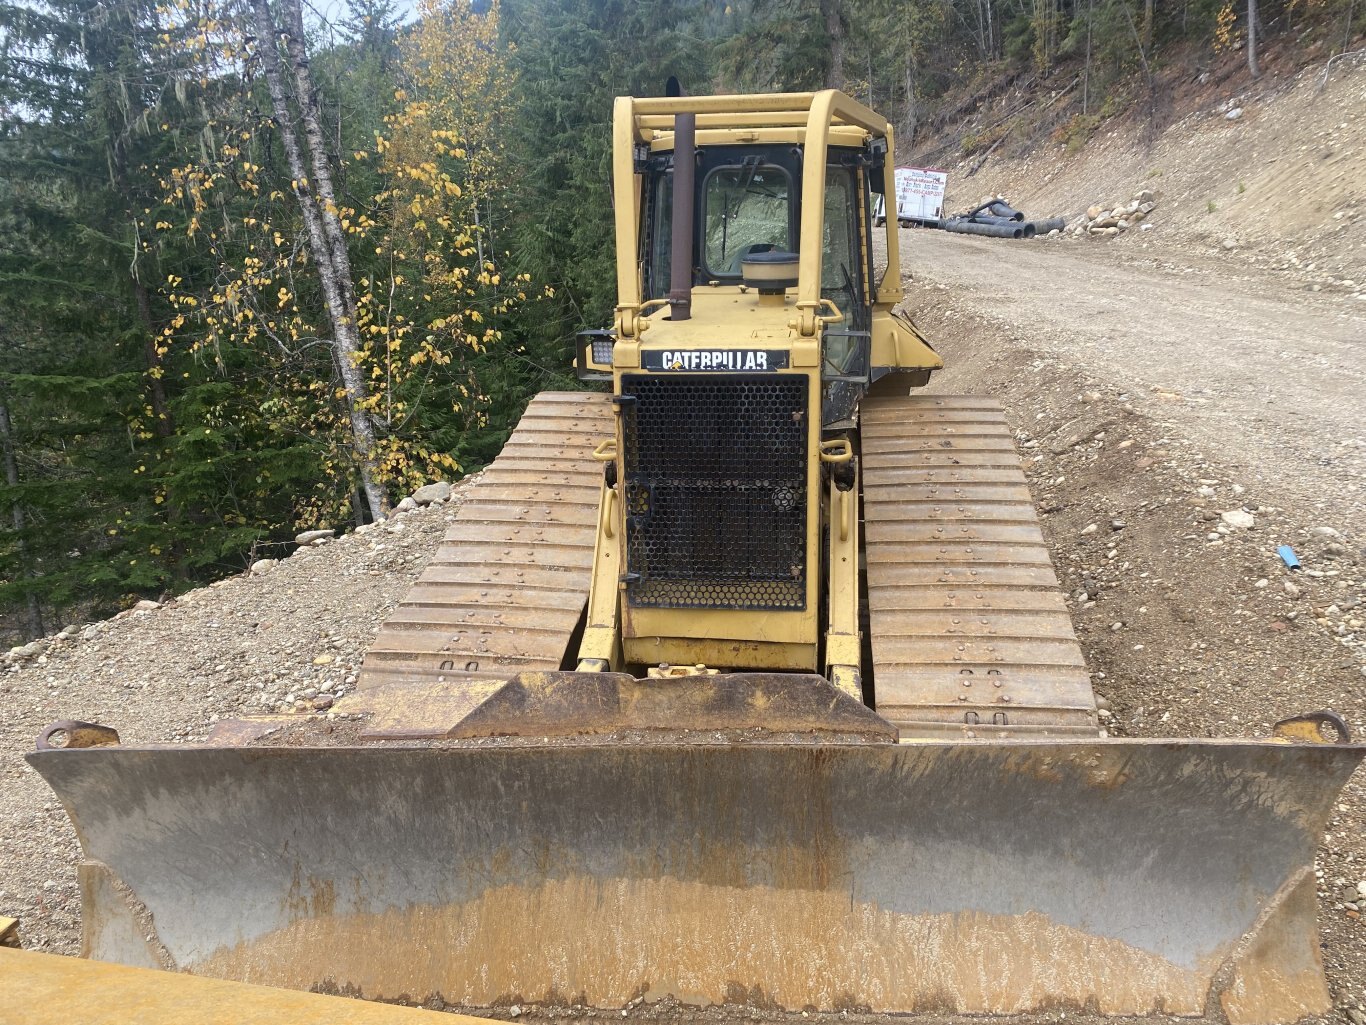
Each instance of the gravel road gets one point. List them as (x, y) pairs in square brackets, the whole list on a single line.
[(1270, 376)]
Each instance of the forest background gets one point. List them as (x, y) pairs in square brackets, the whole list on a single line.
[(265, 268)]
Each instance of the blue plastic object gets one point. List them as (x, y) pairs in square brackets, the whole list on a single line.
[(1287, 555)]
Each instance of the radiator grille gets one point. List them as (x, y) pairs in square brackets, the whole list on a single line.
[(715, 490)]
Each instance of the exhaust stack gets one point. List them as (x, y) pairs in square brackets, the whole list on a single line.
[(680, 257)]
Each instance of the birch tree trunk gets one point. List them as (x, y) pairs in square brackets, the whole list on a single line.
[(326, 240)]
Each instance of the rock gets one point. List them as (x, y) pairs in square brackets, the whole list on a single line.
[(1327, 532), (1205, 491), (1132, 206), (323, 660), (515, 1011), (1145, 197), (30, 649), (1230, 244), (1355, 1016), (263, 566), (1146, 227), (1147, 208), (1107, 221), (438, 492), (1234, 114), (309, 536), (1110, 232), (1136, 217), (70, 631), (1239, 519), (146, 605), (1292, 590), (1090, 529), (1093, 212), (323, 702), (91, 632), (407, 505), (1261, 583), (1117, 524)]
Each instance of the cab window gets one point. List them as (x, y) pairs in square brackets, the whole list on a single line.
[(746, 209)]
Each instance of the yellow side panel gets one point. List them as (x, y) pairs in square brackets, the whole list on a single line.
[(45, 989)]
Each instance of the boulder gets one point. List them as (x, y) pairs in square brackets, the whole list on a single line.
[(430, 493), (309, 536), (263, 566)]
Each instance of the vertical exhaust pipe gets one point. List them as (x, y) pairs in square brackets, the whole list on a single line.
[(680, 256)]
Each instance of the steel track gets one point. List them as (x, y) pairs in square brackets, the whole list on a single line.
[(970, 634)]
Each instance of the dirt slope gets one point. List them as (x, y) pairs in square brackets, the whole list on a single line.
[(1285, 181)]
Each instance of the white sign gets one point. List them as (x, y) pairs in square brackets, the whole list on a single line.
[(919, 193)]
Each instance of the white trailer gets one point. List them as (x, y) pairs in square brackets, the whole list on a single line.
[(919, 196)]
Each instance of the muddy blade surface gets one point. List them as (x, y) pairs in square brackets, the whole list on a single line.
[(1132, 876)]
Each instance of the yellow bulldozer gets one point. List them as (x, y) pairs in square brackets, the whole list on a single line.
[(743, 678)]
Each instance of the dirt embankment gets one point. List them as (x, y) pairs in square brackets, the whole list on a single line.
[(1270, 177)]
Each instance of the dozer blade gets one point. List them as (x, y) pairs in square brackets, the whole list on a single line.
[(1003, 876)]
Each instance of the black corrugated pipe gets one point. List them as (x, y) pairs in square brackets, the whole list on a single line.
[(966, 227), (996, 208), (680, 256), (1050, 224), (1002, 210)]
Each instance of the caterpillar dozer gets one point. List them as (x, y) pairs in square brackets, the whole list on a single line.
[(745, 678)]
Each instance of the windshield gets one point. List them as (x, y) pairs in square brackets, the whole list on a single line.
[(746, 211)]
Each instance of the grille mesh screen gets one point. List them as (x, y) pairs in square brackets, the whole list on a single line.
[(715, 490)]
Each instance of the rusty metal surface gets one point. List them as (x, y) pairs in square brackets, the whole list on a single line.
[(45, 989), (505, 590), (970, 633), (73, 733), (1133, 876)]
